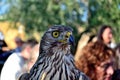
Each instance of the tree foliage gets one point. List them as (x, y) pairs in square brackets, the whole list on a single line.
[(37, 15), (105, 12)]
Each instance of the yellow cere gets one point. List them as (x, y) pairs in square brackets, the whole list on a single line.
[(68, 34)]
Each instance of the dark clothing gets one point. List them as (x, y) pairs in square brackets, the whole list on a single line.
[(116, 75), (2, 44)]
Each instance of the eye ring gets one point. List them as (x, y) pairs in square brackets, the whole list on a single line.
[(55, 34)]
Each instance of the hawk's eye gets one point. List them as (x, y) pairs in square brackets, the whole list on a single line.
[(55, 34)]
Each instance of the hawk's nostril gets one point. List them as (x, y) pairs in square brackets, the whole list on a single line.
[(66, 36)]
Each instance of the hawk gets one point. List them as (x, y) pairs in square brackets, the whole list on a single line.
[(55, 61)]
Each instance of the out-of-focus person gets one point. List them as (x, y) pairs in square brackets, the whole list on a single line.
[(16, 63), (19, 42), (3, 49), (117, 56), (3, 45), (97, 61), (105, 35), (6, 54), (33, 57)]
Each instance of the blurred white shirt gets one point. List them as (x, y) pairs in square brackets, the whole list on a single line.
[(13, 67), (112, 45)]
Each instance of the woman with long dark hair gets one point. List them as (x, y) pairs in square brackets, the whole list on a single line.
[(105, 35)]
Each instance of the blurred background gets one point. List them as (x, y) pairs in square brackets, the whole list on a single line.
[(30, 18), (27, 19)]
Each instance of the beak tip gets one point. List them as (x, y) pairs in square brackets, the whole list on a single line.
[(71, 40)]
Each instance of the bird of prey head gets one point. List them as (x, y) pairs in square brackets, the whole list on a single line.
[(57, 38), (55, 61)]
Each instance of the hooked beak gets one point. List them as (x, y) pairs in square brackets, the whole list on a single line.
[(68, 38), (71, 40)]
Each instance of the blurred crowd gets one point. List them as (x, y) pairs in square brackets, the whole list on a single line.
[(99, 59), (17, 61)]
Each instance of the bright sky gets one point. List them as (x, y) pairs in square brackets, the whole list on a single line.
[(3, 6)]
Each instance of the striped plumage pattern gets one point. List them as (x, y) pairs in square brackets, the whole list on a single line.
[(55, 61)]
